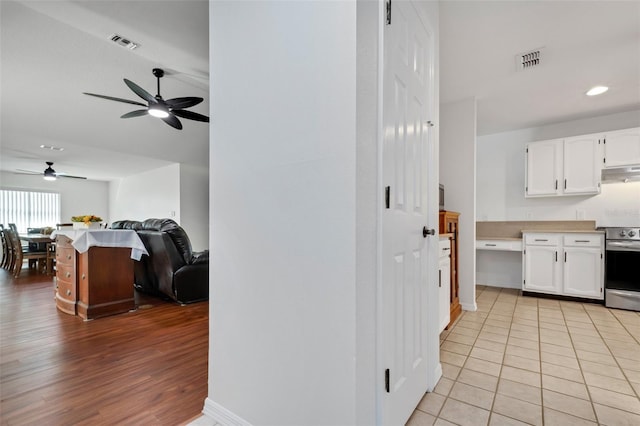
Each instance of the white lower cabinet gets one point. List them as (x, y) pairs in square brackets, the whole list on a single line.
[(444, 284), (564, 264)]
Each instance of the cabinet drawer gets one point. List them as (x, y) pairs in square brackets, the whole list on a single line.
[(64, 255), (444, 246), (542, 239), (65, 273), (66, 289), (583, 240)]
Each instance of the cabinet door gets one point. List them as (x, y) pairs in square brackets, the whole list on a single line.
[(622, 148), (544, 162), (542, 269), (583, 274), (444, 283), (581, 165)]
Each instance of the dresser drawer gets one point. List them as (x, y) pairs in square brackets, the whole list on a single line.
[(66, 273)]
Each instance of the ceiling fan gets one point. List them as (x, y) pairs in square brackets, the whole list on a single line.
[(166, 110), (49, 173)]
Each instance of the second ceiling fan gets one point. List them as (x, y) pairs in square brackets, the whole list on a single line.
[(167, 110)]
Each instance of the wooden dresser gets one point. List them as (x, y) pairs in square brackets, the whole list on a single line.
[(449, 225), (96, 283)]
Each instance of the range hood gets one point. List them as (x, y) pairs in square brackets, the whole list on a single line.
[(621, 174)]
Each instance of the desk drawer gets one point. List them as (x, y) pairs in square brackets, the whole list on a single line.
[(501, 245)]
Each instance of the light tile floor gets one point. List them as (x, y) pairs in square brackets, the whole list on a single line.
[(526, 360)]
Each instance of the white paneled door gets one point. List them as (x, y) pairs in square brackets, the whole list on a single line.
[(407, 103)]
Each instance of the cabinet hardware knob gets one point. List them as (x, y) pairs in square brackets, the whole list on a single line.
[(68, 274), (83, 276), (68, 292), (68, 256)]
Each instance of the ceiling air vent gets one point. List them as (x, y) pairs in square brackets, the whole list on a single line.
[(124, 42), (527, 60)]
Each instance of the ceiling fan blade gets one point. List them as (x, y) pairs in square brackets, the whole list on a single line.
[(136, 113), (141, 92), (190, 115), (111, 98), (63, 175), (180, 103), (27, 172), (172, 121)]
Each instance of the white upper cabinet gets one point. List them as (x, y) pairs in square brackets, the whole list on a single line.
[(563, 167), (544, 168), (581, 165), (622, 148)]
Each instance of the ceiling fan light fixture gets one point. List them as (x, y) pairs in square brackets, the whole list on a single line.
[(49, 177), (597, 90), (158, 111)]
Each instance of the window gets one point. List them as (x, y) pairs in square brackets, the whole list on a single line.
[(29, 209)]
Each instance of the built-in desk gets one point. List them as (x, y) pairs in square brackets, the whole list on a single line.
[(500, 244), (94, 271)]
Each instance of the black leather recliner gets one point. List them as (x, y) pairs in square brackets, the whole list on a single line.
[(172, 269)]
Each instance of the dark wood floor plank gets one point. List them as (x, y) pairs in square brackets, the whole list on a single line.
[(148, 366)]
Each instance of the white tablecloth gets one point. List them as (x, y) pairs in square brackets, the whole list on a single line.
[(85, 238)]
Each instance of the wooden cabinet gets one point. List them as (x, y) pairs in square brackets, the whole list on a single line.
[(444, 283), (449, 225), (622, 148), (65, 275), (96, 283), (564, 264), (559, 167)]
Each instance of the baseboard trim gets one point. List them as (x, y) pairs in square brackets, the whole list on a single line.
[(221, 415), (469, 306)]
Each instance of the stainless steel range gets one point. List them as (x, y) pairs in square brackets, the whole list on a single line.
[(622, 268)]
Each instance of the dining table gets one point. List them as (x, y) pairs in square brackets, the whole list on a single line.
[(44, 265)]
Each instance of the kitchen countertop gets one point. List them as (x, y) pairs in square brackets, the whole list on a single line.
[(561, 231)]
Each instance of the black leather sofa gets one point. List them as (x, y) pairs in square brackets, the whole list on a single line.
[(172, 268)]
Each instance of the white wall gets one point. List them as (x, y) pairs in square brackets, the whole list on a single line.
[(283, 212), (77, 196), (152, 194), (458, 175), (501, 179), (194, 204)]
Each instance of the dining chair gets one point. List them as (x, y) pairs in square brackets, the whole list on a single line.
[(5, 247), (64, 225), (20, 255)]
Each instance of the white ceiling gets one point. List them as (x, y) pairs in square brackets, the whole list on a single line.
[(586, 43), (52, 51)]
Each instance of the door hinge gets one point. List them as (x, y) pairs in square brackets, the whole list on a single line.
[(387, 197), (386, 380), (388, 12)]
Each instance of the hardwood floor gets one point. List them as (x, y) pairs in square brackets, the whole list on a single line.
[(147, 367)]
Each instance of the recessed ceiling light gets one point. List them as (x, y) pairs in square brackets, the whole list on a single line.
[(52, 148), (597, 90)]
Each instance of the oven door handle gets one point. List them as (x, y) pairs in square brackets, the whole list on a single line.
[(623, 246)]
